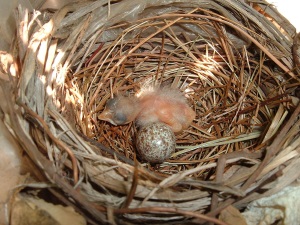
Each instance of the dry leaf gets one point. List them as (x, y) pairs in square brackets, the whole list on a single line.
[(25, 214), (9, 169), (28, 210), (232, 216), (280, 208)]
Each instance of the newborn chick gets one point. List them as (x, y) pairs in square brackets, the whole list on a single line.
[(161, 105)]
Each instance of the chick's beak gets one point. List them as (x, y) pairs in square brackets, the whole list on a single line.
[(107, 115)]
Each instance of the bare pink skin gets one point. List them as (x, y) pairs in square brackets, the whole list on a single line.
[(165, 105)]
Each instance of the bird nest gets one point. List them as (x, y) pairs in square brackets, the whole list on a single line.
[(235, 63)]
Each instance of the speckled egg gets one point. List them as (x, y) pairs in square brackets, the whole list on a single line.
[(155, 142)]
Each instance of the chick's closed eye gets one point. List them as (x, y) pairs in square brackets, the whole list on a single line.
[(120, 110), (120, 118)]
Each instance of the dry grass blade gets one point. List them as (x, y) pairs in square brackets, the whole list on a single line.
[(172, 210), (41, 161), (133, 186), (220, 141), (61, 144), (271, 151)]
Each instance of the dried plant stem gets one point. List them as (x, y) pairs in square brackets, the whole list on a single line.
[(115, 66), (273, 149), (41, 161), (229, 23), (171, 210), (54, 139)]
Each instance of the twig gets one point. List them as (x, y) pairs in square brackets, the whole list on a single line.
[(295, 49), (106, 149), (133, 185), (170, 210)]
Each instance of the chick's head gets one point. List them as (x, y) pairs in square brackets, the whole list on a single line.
[(120, 110)]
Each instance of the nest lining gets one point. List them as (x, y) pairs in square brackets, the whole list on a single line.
[(233, 93), (231, 75)]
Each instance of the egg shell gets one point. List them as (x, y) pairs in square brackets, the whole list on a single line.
[(155, 142)]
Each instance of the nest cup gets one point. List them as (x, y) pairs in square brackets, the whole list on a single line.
[(234, 63)]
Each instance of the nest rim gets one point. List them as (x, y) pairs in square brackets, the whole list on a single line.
[(146, 182)]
